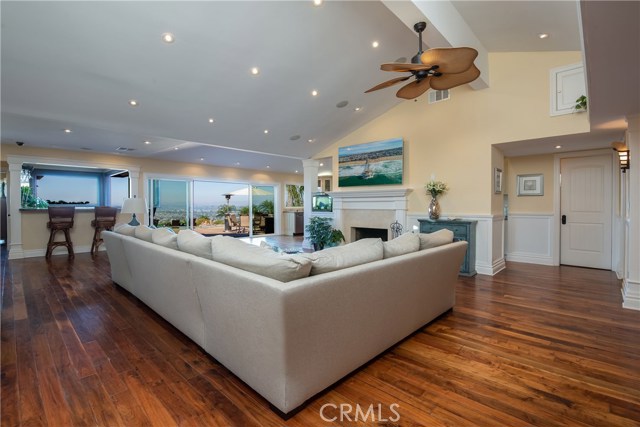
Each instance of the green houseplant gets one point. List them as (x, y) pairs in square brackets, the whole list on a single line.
[(581, 104), (322, 234)]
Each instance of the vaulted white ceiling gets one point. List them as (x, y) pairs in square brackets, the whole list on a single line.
[(75, 65)]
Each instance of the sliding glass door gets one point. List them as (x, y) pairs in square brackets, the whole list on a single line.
[(169, 203), (213, 207)]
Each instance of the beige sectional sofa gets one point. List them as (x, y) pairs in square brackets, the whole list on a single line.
[(287, 340)]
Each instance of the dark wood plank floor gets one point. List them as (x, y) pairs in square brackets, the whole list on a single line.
[(532, 346)]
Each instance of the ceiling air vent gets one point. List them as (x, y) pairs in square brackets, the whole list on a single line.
[(125, 149), (438, 95)]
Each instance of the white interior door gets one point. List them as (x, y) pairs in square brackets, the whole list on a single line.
[(585, 209)]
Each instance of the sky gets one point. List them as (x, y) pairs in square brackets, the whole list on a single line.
[(370, 146)]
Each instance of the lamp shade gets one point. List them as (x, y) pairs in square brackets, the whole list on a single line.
[(134, 206)]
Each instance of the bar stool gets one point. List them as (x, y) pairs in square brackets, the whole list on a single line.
[(105, 220), (60, 219)]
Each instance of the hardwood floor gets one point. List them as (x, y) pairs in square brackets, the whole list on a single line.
[(531, 346)]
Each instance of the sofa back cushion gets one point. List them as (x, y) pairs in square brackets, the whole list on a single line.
[(437, 238), (404, 244), (165, 237), (194, 243), (126, 229), (143, 232), (356, 253), (259, 260)]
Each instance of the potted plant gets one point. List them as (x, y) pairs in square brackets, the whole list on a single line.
[(322, 234), (581, 104)]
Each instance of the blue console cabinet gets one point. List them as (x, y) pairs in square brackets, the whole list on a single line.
[(462, 230)]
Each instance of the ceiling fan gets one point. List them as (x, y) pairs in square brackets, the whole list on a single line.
[(438, 68)]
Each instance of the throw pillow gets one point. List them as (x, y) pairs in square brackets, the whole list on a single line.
[(126, 229), (437, 238), (259, 260), (143, 232), (165, 237), (401, 245), (194, 243), (356, 253)]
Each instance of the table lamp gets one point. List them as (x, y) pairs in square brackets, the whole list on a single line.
[(134, 206)]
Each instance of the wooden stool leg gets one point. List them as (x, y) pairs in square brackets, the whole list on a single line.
[(94, 246), (69, 243), (52, 233)]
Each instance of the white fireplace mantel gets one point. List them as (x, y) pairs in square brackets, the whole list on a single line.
[(395, 201)]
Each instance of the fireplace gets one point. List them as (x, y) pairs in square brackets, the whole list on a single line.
[(366, 233), (369, 209)]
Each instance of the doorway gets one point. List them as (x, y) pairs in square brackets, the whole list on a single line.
[(586, 211)]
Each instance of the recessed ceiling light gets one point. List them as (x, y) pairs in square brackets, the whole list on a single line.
[(133, 102), (321, 164), (147, 142), (357, 109), (375, 43), (201, 158), (558, 146), (67, 131), (317, 2), (175, 148), (168, 38), (543, 35), (255, 71), (211, 120), (311, 140), (296, 171), (268, 167), (237, 163), (314, 93), (266, 131)]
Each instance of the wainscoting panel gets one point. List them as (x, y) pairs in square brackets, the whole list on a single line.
[(530, 238)]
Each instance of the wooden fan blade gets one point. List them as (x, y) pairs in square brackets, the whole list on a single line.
[(414, 89), (447, 81), (388, 83), (395, 66), (450, 60)]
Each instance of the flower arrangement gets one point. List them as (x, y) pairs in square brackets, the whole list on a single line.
[(435, 188)]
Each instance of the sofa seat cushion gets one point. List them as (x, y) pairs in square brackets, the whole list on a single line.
[(401, 245), (194, 243), (165, 237), (437, 238), (259, 260), (126, 229), (356, 253), (143, 232)]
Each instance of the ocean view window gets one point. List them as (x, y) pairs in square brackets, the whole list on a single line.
[(46, 185)]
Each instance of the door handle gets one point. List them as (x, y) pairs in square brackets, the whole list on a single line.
[(564, 219)]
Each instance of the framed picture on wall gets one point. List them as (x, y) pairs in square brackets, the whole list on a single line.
[(530, 185), (497, 180), (372, 163)]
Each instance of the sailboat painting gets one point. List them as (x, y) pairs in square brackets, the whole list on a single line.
[(373, 163)]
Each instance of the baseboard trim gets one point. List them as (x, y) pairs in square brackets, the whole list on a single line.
[(530, 258), (630, 294), (491, 270), (34, 253)]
